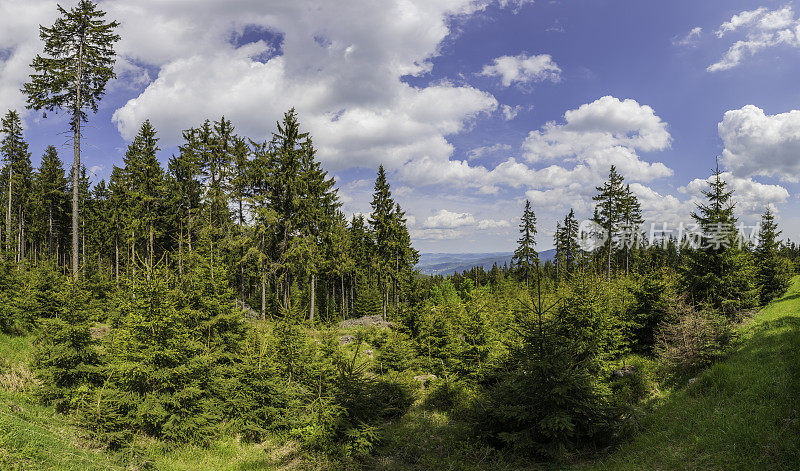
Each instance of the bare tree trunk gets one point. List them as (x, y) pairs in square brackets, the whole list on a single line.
[(180, 249), (50, 231), (8, 212), (77, 164), (385, 299), (263, 293), (116, 260), (312, 307), (344, 298)]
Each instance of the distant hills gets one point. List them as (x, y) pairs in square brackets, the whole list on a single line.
[(448, 263)]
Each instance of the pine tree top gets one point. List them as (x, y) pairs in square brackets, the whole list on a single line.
[(80, 37)]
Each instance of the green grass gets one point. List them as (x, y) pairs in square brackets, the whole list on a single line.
[(32, 436), (742, 413)]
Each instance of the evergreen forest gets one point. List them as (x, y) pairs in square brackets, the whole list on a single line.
[(221, 311)]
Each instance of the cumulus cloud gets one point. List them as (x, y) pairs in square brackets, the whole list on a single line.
[(605, 132), (19, 43), (445, 225), (493, 224), (339, 64), (445, 219), (760, 144), (763, 29), (690, 39), (523, 69)]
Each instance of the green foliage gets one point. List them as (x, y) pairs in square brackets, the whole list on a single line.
[(651, 307), (774, 270), (719, 273), (396, 353), (635, 379), (550, 396), (66, 360), (525, 256), (79, 39), (549, 401)]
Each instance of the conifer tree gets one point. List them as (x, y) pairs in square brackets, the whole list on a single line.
[(185, 193), (18, 177), (774, 270), (66, 360), (525, 257), (145, 179), (288, 145), (318, 205), (238, 189), (381, 221), (50, 187), (631, 219), (718, 272), (72, 75), (608, 212), (119, 210), (566, 242)]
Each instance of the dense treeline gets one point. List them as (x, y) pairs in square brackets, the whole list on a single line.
[(266, 210)]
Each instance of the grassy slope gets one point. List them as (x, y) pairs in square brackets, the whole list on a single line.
[(743, 413), (31, 436)]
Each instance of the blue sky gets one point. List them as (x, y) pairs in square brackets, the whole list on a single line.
[(472, 105)]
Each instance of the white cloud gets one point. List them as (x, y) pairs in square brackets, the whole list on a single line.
[(493, 224), (605, 132), (435, 234), (742, 19), (690, 39), (481, 151), (763, 29), (523, 69), (760, 144), (445, 219), (19, 44), (338, 63), (510, 112)]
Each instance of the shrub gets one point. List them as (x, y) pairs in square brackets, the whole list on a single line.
[(550, 403), (693, 341), (65, 359), (396, 353), (447, 395), (634, 380)]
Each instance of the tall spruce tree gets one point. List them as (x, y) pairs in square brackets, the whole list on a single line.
[(718, 272), (50, 187), (145, 180), (17, 174), (318, 205), (380, 221), (631, 220), (72, 75), (525, 257), (608, 212), (566, 241)]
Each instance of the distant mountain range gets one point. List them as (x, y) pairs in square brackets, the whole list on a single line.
[(448, 263)]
